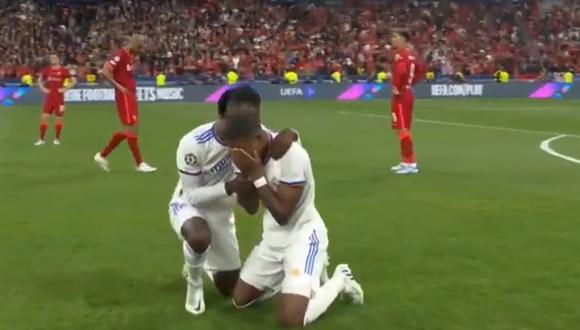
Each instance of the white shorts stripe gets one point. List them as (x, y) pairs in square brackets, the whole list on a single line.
[(314, 242)]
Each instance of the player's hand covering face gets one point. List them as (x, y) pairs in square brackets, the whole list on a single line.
[(250, 166)]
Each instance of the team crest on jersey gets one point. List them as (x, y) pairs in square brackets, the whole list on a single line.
[(295, 272), (190, 159)]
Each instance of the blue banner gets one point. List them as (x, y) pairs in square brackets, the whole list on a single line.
[(271, 92)]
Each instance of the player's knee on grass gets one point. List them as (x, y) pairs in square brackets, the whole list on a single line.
[(197, 234), (225, 281), (292, 310), (245, 294)]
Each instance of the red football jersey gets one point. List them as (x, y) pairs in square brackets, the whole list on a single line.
[(54, 78), (404, 70), (122, 64)]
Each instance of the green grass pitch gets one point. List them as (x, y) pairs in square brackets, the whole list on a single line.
[(485, 237)]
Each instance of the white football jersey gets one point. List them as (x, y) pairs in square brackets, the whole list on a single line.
[(294, 168), (204, 159)]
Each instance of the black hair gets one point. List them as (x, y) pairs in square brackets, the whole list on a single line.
[(241, 126), (244, 94), (405, 34), (223, 103)]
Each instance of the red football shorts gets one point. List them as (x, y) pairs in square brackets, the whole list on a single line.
[(402, 110), (127, 108), (54, 105)]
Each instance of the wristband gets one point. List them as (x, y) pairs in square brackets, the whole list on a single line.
[(260, 182)]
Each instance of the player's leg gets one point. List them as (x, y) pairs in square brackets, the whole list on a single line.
[(342, 281), (409, 162), (246, 294), (402, 116), (131, 126), (44, 119), (304, 261), (195, 234), (396, 124), (223, 260), (58, 124), (303, 300), (225, 281), (197, 238), (262, 273), (116, 139)]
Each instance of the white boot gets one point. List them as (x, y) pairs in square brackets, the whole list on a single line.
[(145, 168), (102, 162), (351, 287)]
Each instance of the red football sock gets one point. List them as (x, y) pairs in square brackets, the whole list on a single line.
[(407, 152), (58, 130), (43, 128), (117, 138), (133, 141)]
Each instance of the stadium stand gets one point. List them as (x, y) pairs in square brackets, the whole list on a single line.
[(199, 41)]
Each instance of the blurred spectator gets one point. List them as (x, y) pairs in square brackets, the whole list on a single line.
[(161, 79), (569, 77), (291, 77), (232, 77), (205, 39), (336, 77), (382, 77)]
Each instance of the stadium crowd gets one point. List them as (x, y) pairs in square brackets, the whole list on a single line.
[(205, 39)]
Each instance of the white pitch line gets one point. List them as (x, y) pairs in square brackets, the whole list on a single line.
[(458, 124), (545, 145)]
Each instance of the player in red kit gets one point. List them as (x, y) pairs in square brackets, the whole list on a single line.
[(119, 71), (405, 75), (51, 82)]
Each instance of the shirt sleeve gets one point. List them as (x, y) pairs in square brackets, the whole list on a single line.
[(294, 165), (188, 157), (115, 60), (189, 165)]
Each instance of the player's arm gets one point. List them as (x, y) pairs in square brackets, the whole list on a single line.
[(108, 69), (246, 193), (41, 84), (280, 203), (189, 166), (283, 141)]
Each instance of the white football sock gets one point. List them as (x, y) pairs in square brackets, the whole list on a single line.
[(323, 298), (194, 262)]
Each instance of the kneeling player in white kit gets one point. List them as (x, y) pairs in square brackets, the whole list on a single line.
[(292, 253), (201, 208)]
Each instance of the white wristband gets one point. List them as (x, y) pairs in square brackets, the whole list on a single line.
[(259, 183)]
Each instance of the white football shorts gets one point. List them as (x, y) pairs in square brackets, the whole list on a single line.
[(293, 269), (224, 251)]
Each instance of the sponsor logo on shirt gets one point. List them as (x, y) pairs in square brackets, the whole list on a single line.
[(223, 164)]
